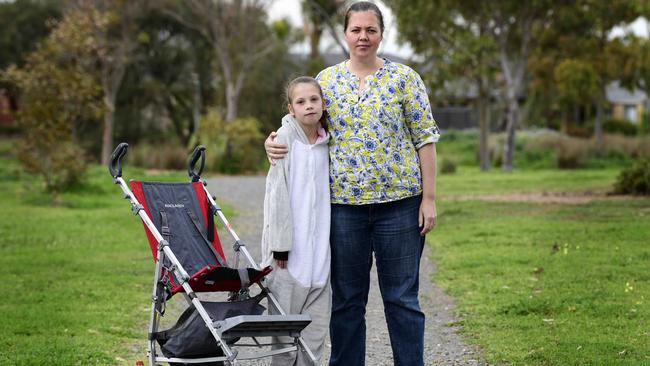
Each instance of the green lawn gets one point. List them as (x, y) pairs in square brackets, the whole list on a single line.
[(546, 284), (536, 284), (75, 277)]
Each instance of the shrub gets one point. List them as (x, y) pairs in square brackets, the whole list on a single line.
[(571, 153), (447, 166), (635, 179), (620, 126), (245, 146), (233, 147), (579, 131), (155, 156), (61, 165)]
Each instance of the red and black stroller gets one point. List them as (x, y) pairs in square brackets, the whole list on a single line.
[(179, 223)]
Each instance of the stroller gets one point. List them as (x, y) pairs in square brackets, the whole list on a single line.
[(179, 223)]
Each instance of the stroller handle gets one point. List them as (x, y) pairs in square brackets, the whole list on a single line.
[(115, 165), (199, 152)]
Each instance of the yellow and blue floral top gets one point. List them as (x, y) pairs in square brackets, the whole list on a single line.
[(376, 133)]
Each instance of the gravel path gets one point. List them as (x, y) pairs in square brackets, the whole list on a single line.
[(443, 345)]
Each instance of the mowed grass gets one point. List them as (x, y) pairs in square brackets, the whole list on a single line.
[(76, 276), (541, 283), (536, 284)]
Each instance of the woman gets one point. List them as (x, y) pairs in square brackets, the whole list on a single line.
[(382, 185)]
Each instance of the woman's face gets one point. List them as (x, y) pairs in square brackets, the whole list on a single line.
[(363, 34)]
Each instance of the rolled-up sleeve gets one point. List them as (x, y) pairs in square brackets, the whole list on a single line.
[(417, 112)]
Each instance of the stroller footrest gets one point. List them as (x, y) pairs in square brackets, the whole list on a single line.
[(262, 326)]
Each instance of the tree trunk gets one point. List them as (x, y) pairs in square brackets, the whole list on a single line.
[(107, 135), (509, 144), (484, 126), (314, 42), (598, 124), (196, 105), (231, 102)]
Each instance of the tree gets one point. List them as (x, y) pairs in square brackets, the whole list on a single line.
[(171, 73), (109, 29), (457, 47), (320, 15), (581, 32), (56, 92), (24, 24), (576, 82), (513, 25), (238, 34), (501, 29)]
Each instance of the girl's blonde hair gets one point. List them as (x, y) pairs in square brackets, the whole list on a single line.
[(306, 80)]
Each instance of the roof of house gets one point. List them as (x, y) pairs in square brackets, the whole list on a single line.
[(617, 94)]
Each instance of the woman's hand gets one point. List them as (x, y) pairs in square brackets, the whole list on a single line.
[(274, 150), (427, 216)]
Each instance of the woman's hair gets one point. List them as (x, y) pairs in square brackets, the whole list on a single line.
[(364, 6), (306, 80)]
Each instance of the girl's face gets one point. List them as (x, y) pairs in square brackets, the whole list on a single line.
[(363, 34), (306, 104)]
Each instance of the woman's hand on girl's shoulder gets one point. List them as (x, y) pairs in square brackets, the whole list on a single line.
[(274, 149)]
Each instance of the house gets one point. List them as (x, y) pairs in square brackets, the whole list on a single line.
[(627, 105)]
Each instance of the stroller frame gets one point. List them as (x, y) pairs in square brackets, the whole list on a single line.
[(239, 326)]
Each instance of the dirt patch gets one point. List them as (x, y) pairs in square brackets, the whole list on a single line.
[(566, 198)]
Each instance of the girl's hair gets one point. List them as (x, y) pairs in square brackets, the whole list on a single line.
[(364, 6), (306, 80)]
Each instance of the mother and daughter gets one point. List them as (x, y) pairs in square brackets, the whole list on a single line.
[(353, 174)]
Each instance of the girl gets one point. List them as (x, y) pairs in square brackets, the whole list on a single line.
[(295, 240)]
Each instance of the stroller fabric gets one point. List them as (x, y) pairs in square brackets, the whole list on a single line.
[(180, 212), (191, 338)]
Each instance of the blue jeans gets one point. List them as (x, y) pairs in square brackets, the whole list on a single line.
[(391, 231)]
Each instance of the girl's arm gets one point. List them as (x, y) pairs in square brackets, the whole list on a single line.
[(428, 214), (280, 221)]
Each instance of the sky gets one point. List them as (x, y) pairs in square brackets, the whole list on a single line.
[(290, 9)]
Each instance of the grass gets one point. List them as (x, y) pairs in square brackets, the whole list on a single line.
[(470, 181), (536, 284), (546, 284), (76, 276)]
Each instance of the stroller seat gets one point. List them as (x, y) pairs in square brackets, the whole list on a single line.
[(181, 213)]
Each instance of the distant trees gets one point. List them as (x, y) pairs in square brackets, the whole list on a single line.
[(238, 33), (557, 52), (86, 72), (24, 23), (459, 53)]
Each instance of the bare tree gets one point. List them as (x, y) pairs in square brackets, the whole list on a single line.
[(236, 30), (322, 14), (110, 29)]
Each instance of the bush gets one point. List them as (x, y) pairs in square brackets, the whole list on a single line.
[(234, 147), (620, 126), (154, 156), (61, 165), (634, 180), (447, 166)]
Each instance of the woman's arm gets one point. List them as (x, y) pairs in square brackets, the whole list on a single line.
[(428, 215), (274, 150)]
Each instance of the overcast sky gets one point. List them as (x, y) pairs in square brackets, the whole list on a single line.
[(290, 9)]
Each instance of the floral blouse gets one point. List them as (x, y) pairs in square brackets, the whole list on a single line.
[(376, 133)]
